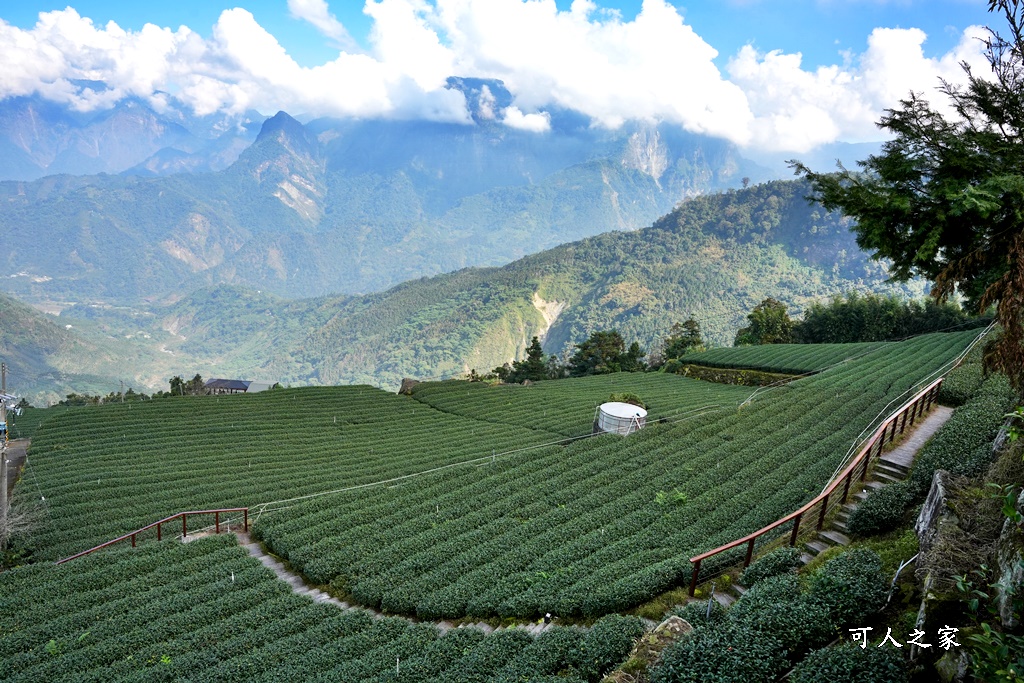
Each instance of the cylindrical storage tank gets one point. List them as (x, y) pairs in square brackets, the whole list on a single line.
[(620, 418)]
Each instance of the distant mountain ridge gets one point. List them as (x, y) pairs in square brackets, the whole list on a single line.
[(39, 138), (715, 257), (349, 206)]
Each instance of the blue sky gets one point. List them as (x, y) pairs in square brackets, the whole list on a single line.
[(782, 74)]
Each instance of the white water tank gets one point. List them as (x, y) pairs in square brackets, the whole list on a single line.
[(620, 418)]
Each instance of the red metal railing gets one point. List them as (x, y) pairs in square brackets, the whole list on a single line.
[(910, 410), (159, 525)]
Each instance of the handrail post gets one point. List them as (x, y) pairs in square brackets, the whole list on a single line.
[(133, 540), (246, 518), (821, 515), (693, 577), (158, 537), (750, 553), (216, 521), (796, 530), (184, 527), (864, 470)]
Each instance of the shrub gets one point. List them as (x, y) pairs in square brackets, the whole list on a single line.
[(771, 591), (722, 654), (779, 561), (851, 587), (849, 662), (882, 511), (628, 397), (608, 642), (799, 624), (963, 445)]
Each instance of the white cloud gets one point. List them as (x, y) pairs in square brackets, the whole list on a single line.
[(317, 13), (536, 123), (796, 110), (593, 60)]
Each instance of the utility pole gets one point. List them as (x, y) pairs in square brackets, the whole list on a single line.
[(122, 391)]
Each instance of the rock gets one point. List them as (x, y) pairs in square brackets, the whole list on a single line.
[(527, 383), (952, 667), (407, 385), (1009, 567), (935, 511), (648, 650)]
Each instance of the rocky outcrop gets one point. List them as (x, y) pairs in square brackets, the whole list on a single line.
[(407, 385), (1010, 567), (935, 511)]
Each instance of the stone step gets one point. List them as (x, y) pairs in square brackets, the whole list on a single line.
[(893, 465), (882, 467), (737, 590), (841, 526), (860, 496), (834, 537), (872, 485), (884, 478), (816, 547), (724, 599), (805, 558)]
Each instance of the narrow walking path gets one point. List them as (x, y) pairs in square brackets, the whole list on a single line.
[(903, 455), (299, 587), (891, 467)]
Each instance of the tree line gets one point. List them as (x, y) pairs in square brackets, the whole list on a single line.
[(845, 319)]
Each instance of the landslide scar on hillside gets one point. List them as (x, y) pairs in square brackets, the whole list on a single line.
[(550, 310)]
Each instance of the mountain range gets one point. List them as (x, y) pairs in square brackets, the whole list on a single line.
[(714, 258), (337, 251), (341, 206)]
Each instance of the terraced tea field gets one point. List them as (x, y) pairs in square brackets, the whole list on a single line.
[(105, 470), (471, 507), (206, 612), (568, 406), (605, 523), (793, 359)]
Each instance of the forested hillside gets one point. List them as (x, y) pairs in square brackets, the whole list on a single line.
[(714, 258)]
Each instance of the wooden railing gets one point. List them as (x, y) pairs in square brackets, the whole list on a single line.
[(908, 412), (159, 526)]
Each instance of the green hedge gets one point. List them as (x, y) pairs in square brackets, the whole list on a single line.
[(964, 444), (851, 587), (779, 561), (882, 511), (849, 662), (725, 654)]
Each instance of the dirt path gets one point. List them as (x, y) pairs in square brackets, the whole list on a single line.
[(299, 587)]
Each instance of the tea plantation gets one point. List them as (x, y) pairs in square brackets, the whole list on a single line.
[(603, 524), (463, 500), (207, 612)]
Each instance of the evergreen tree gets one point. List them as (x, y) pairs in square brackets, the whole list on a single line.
[(533, 368), (944, 198), (682, 339), (769, 324)]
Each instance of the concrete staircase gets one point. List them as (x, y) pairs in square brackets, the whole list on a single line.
[(891, 467)]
